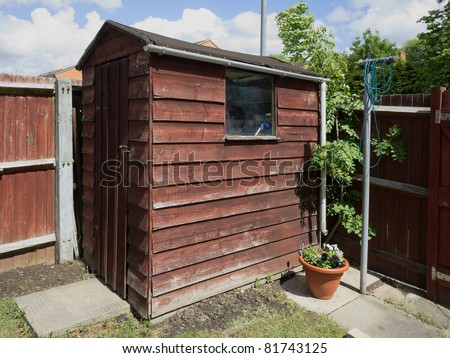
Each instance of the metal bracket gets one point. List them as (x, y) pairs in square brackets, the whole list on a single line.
[(436, 275), (441, 116)]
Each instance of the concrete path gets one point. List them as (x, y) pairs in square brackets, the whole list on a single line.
[(387, 312), (55, 311)]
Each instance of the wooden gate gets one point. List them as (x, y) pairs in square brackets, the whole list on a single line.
[(438, 263), (110, 189)]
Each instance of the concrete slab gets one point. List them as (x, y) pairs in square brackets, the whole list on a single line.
[(297, 290), (61, 309), (381, 320)]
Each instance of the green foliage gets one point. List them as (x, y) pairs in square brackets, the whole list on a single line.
[(328, 257), (435, 44), (369, 45), (314, 46), (392, 145)]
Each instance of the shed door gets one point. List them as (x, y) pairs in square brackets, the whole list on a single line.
[(110, 148), (438, 283)]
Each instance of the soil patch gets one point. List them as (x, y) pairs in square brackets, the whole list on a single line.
[(218, 312), (30, 279)]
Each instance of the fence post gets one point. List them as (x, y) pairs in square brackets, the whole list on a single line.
[(64, 210)]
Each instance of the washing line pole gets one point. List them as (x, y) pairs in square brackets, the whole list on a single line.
[(263, 44), (368, 105)]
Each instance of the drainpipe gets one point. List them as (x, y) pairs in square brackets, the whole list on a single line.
[(323, 174)]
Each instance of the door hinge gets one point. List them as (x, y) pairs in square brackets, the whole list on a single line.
[(441, 116), (436, 275)]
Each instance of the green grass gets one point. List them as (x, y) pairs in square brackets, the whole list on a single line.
[(12, 321)]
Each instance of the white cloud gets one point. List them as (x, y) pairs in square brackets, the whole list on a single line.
[(341, 14), (238, 34), (395, 20), (60, 4), (45, 43)]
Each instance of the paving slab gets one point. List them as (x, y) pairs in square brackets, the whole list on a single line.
[(61, 309), (381, 320), (297, 290)]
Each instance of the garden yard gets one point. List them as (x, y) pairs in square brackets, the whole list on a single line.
[(260, 311)]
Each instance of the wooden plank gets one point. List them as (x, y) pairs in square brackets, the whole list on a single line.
[(138, 131), (179, 132), (139, 64), (88, 210), (289, 117), (117, 47), (172, 196), (295, 99), (298, 134), (50, 201), (9, 135), (188, 111), (138, 196), (43, 126), (397, 186), (433, 194), (28, 244), (88, 129), (138, 87), (88, 163), (21, 129), (8, 183), (137, 260), (139, 303), (190, 153), (138, 109), (35, 164), (296, 84), (88, 112), (137, 281), (188, 295), (89, 180), (138, 217), (212, 210), (248, 240), (164, 175), (88, 95), (2, 128), (178, 86), (30, 209), (177, 66), (138, 238), (88, 76), (32, 149), (178, 278), (193, 233), (88, 146), (138, 152)]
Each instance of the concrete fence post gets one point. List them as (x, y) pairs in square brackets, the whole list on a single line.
[(64, 209)]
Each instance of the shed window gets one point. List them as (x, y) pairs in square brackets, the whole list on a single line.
[(249, 104)]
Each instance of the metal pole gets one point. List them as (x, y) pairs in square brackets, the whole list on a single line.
[(366, 188), (366, 168), (323, 173), (263, 27)]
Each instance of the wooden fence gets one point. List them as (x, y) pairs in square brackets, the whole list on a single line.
[(398, 197), (36, 186)]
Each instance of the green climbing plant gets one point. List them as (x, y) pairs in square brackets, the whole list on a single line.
[(314, 47)]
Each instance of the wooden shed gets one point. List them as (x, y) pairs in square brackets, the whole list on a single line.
[(191, 159)]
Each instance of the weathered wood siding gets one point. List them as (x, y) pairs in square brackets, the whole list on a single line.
[(135, 115), (223, 213), (26, 194)]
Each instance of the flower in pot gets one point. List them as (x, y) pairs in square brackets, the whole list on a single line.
[(324, 268)]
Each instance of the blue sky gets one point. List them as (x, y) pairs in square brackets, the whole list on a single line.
[(40, 35)]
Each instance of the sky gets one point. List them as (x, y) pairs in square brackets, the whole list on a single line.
[(37, 36)]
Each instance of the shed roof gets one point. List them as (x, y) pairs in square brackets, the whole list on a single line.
[(149, 38)]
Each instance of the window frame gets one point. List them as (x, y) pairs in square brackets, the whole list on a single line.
[(244, 137)]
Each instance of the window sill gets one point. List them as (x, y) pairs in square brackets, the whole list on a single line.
[(229, 138)]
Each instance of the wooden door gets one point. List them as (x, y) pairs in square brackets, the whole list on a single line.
[(438, 245), (111, 83)]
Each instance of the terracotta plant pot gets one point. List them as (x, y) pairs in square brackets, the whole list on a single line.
[(322, 283)]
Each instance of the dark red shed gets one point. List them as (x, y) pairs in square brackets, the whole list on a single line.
[(191, 160)]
